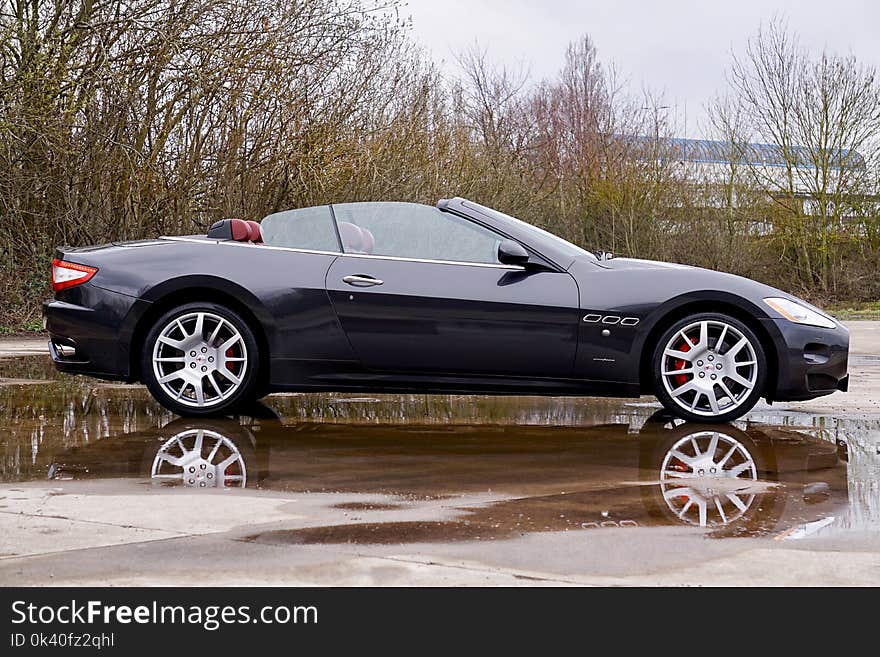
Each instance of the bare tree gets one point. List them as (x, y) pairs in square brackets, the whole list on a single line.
[(129, 118), (823, 116)]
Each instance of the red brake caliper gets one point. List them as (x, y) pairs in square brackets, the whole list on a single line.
[(233, 367), (681, 379)]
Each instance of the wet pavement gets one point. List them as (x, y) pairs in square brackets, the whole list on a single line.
[(100, 485)]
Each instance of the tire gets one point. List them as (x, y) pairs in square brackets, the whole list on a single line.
[(201, 374), (700, 380)]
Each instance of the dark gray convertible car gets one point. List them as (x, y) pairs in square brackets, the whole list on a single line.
[(400, 297)]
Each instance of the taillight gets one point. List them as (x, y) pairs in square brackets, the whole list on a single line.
[(67, 274)]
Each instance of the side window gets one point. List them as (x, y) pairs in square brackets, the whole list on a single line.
[(308, 228), (409, 230)]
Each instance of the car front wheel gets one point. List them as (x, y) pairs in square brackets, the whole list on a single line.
[(709, 367), (201, 359)]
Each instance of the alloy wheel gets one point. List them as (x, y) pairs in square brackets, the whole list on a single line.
[(709, 368), (200, 359)]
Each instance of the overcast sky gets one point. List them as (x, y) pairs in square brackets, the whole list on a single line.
[(678, 47)]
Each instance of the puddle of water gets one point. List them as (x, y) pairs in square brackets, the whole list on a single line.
[(30, 367), (552, 464), (379, 533), (367, 506)]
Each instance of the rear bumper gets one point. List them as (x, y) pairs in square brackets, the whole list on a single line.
[(90, 332), (812, 361)]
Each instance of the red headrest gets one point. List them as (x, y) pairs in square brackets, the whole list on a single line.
[(241, 232), (245, 231), (256, 234)]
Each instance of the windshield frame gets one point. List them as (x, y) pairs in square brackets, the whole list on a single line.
[(536, 238)]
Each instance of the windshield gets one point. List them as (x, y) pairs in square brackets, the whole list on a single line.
[(539, 237)]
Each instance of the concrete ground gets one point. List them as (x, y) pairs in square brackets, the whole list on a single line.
[(23, 346), (346, 500)]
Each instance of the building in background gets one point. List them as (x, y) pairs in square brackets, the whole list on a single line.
[(725, 169)]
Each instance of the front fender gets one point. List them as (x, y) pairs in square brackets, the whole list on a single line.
[(660, 317)]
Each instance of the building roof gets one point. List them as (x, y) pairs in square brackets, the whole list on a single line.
[(720, 152)]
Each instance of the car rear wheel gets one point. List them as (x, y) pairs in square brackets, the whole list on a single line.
[(201, 359), (709, 367)]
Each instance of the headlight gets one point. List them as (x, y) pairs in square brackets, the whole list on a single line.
[(798, 313)]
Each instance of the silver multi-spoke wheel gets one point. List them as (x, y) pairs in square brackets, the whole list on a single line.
[(708, 478), (709, 368), (199, 359), (199, 458)]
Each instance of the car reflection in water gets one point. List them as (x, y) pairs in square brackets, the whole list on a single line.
[(200, 458), (759, 481), (706, 472)]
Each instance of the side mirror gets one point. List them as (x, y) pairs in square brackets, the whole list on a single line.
[(511, 252)]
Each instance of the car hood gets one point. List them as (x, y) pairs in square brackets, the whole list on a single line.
[(638, 263), (689, 277), (636, 285), (747, 287)]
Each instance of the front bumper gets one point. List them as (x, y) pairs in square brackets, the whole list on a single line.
[(811, 361), (90, 331)]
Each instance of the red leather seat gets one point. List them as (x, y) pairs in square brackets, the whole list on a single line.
[(246, 231), (355, 239), (369, 241)]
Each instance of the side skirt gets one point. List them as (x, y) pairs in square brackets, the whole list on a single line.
[(339, 381)]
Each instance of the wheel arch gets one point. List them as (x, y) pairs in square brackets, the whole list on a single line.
[(177, 292), (728, 304)]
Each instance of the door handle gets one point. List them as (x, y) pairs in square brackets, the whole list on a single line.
[(361, 280)]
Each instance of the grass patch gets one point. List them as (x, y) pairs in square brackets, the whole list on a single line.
[(849, 310), (25, 329)]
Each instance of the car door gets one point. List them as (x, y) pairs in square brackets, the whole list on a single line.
[(420, 290)]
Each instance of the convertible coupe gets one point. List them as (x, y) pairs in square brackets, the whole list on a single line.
[(400, 297)]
